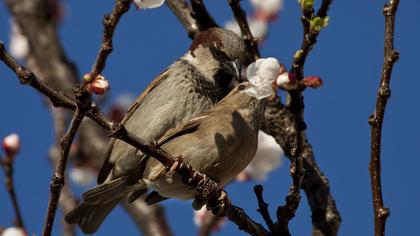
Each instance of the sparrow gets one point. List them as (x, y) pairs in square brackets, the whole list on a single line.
[(191, 85), (219, 142)]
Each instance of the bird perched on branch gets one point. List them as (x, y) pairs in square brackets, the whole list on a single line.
[(219, 142), (191, 85)]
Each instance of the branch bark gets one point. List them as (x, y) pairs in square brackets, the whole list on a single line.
[(381, 212), (183, 11), (326, 219), (57, 181), (250, 42)]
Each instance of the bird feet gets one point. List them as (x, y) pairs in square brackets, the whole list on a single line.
[(175, 165), (217, 204)]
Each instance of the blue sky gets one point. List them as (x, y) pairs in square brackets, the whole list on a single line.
[(348, 56)]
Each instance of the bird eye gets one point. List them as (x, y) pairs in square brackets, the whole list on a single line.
[(241, 87)]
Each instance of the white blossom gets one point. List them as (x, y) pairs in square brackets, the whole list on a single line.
[(82, 175), (267, 158), (262, 73), (258, 28), (148, 4), (283, 79), (13, 231), (268, 7), (18, 45)]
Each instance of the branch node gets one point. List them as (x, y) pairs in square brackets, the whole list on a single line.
[(57, 182), (383, 213)]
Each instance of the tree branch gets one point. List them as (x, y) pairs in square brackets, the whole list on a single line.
[(296, 144), (204, 185), (201, 15), (7, 164), (279, 122), (110, 23), (57, 181), (183, 11), (250, 42), (263, 209), (381, 213)]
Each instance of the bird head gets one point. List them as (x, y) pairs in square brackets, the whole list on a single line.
[(217, 53)]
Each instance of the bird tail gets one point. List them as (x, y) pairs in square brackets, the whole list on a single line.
[(96, 205)]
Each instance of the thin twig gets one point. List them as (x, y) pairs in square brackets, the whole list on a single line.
[(296, 106), (110, 23), (205, 186), (250, 42), (381, 212), (263, 209), (57, 181), (83, 103), (7, 165)]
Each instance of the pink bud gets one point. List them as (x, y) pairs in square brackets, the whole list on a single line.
[(11, 144), (99, 85), (312, 81)]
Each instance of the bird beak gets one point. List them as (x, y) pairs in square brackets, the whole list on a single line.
[(237, 66)]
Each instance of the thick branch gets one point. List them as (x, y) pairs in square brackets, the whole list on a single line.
[(381, 213), (279, 122), (204, 185), (201, 15), (183, 11), (250, 42)]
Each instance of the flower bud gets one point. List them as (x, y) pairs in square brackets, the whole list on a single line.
[(98, 86), (11, 144), (312, 81)]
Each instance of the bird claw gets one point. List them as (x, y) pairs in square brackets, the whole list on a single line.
[(176, 164), (218, 207)]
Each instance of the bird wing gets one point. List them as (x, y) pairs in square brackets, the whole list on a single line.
[(107, 165), (183, 129)]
